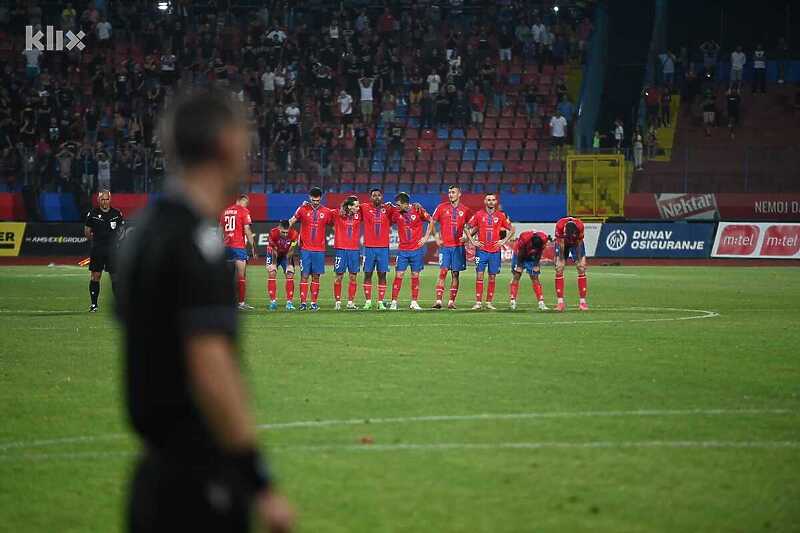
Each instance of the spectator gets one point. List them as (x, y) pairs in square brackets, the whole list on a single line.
[(292, 113), (442, 110), (499, 92), (395, 135), (738, 60), (460, 111), (388, 104), (323, 155), (666, 107), (619, 135), (504, 42), (733, 101), (596, 138), (652, 99), (668, 67), (710, 51), (558, 132), (477, 105), (531, 95), (416, 82), (365, 85), (32, 62), (361, 145), (638, 149), (434, 81), (759, 70), (709, 106), (103, 171), (652, 142), (103, 30), (346, 111), (427, 107)]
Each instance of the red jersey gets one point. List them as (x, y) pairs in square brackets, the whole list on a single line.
[(451, 221), (561, 231), (233, 221), (346, 231), (524, 245), (279, 244), (377, 224), (489, 226), (410, 227), (312, 226)]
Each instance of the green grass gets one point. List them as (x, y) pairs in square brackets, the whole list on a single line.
[(581, 456)]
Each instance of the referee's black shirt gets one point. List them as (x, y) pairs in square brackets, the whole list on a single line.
[(174, 283), (104, 226)]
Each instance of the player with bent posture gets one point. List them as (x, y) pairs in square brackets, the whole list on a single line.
[(235, 223), (484, 230), (569, 243), (280, 253), (528, 250), (102, 224), (410, 220), (451, 215)]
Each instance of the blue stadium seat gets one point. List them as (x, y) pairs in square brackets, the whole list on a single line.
[(377, 166), (496, 166), (471, 144), (483, 155), (514, 79), (457, 145), (442, 134), (482, 166), (457, 133), (413, 122), (469, 155)]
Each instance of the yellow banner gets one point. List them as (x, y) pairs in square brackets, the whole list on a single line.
[(11, 234)]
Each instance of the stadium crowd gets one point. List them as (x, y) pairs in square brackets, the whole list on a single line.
[(321, 80)]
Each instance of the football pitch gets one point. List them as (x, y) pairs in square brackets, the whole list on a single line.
[(673, 405)]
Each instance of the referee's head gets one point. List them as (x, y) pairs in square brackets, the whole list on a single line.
[(206, 137)]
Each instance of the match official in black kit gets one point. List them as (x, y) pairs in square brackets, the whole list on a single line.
[(103, 224), (201, 469)]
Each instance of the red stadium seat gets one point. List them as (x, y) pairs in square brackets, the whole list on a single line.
[(503, 134)]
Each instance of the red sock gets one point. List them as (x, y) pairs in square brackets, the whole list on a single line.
[(414, 289), (272, 288), (453, 291), (490, 290), (559, 285), (582, 288), (368, 290), (537, 289), (314, 291), (242, 289), (514, 289), (396, 286), (440, 283), (351, 290), (337, 289), (381, 291), (289, 289), (478, 290), (303, 291)]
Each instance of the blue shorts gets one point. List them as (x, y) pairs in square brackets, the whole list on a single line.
[(526, 264), (312, 262), (376, 259), (347, 260), (413, 258), (488, 259), (236, 254), (576, 252), (282, 261), (453, 258)]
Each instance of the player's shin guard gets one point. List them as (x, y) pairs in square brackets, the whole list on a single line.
[(414, 289), (289, 289), (490, 290), (303, 291), (396, 286), (381, 291), (368, 290), (94, 291), (272, 288), (560, 286), (453, 290), (337, 289), (314, 291), (537, 289), (582, 288), (513, 289), (242, 289), (478, 290), (351, 290), (440, 284)]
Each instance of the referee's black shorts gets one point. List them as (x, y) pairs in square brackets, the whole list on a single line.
[(101, 258), (170, 497)]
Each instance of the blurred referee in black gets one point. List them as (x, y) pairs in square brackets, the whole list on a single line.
[(201, 469), (102, 226)]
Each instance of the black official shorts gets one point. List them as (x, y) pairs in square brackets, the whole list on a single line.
[(167, 497), (101, 259)]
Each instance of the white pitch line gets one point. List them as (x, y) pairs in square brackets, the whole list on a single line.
[(430, 418), (448, 446)]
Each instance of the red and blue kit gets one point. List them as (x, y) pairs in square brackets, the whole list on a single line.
[(377, 223), (489, 226), (279, 247), (347, 241), (572, 246), (410, 229), (451, 219), (525, 256), (233, 221), (312, 237)]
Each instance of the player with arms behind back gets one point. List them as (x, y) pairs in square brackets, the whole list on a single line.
[(280, 253), (451, 215), (235, 223), (528, 252), (483, 230), (347, 242), (569, 243), (410, 220), (376, 216), (313, 218), (102, 226)]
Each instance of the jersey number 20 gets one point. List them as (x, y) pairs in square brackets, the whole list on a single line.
[(230, 223)]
